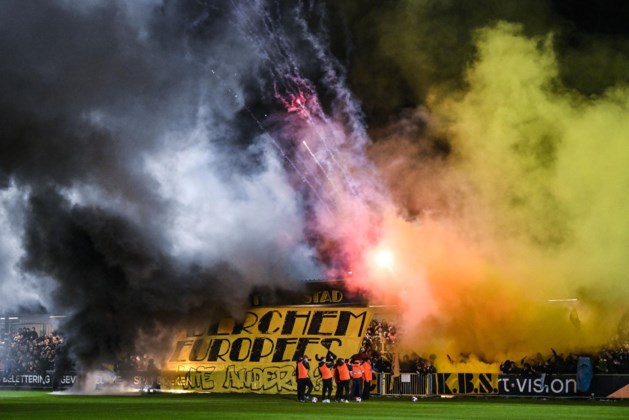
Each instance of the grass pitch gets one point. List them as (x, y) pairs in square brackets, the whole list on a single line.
[(44, 405)]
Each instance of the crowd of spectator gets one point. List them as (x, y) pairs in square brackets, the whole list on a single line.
[(414, 363), (611, 359), (379, 344), (26, 352), (381, 336), (555, 364), (132, 362), (608, 360)]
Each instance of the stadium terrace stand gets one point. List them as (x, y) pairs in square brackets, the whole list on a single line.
[(258, 354)]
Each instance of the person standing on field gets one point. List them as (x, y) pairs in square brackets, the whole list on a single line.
[(357, 379), (341, 375), (304, 384), (325, 369), (367, 377)]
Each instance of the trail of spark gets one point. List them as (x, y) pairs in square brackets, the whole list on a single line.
[(283, 64), (342, 168), (318, 163), (331, 70), (334, 81), (276, 144), (290, 72), (284, 68)]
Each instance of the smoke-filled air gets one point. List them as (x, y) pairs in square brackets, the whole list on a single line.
[(465, 164)]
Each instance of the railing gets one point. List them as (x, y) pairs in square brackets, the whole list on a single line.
[(404, 384)]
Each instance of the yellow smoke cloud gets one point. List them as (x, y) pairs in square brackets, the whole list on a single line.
[(531, 205)]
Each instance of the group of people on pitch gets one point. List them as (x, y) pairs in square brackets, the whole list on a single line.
[(352, 378)]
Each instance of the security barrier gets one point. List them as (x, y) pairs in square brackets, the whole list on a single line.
[(404, 384)]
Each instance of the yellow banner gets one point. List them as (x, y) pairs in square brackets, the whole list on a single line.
[(259, 354)]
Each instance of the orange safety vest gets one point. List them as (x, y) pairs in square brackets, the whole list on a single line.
[(343, 372), (325, 372), (367, 376), (357, 371), (302, 372)]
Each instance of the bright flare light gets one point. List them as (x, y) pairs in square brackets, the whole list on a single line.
[(384, 259)]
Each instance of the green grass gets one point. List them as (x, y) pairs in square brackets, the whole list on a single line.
[(43, 405)]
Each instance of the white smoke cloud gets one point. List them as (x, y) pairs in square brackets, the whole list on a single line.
[(254, 222), (19, 291)]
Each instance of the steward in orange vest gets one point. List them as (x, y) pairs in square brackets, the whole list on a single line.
[(357, 379), (367, 377), (304, 384), (341, 376), (325, 369)]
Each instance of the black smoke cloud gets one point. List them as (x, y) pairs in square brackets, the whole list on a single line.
[(114, 282)]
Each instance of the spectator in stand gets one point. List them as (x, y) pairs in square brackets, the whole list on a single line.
[(528, 369), (383, 365), (406, 364), (29, 353), (571, 363), (607, 361), (424, 367), (509, 367), (601, 366), (379, 345)]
